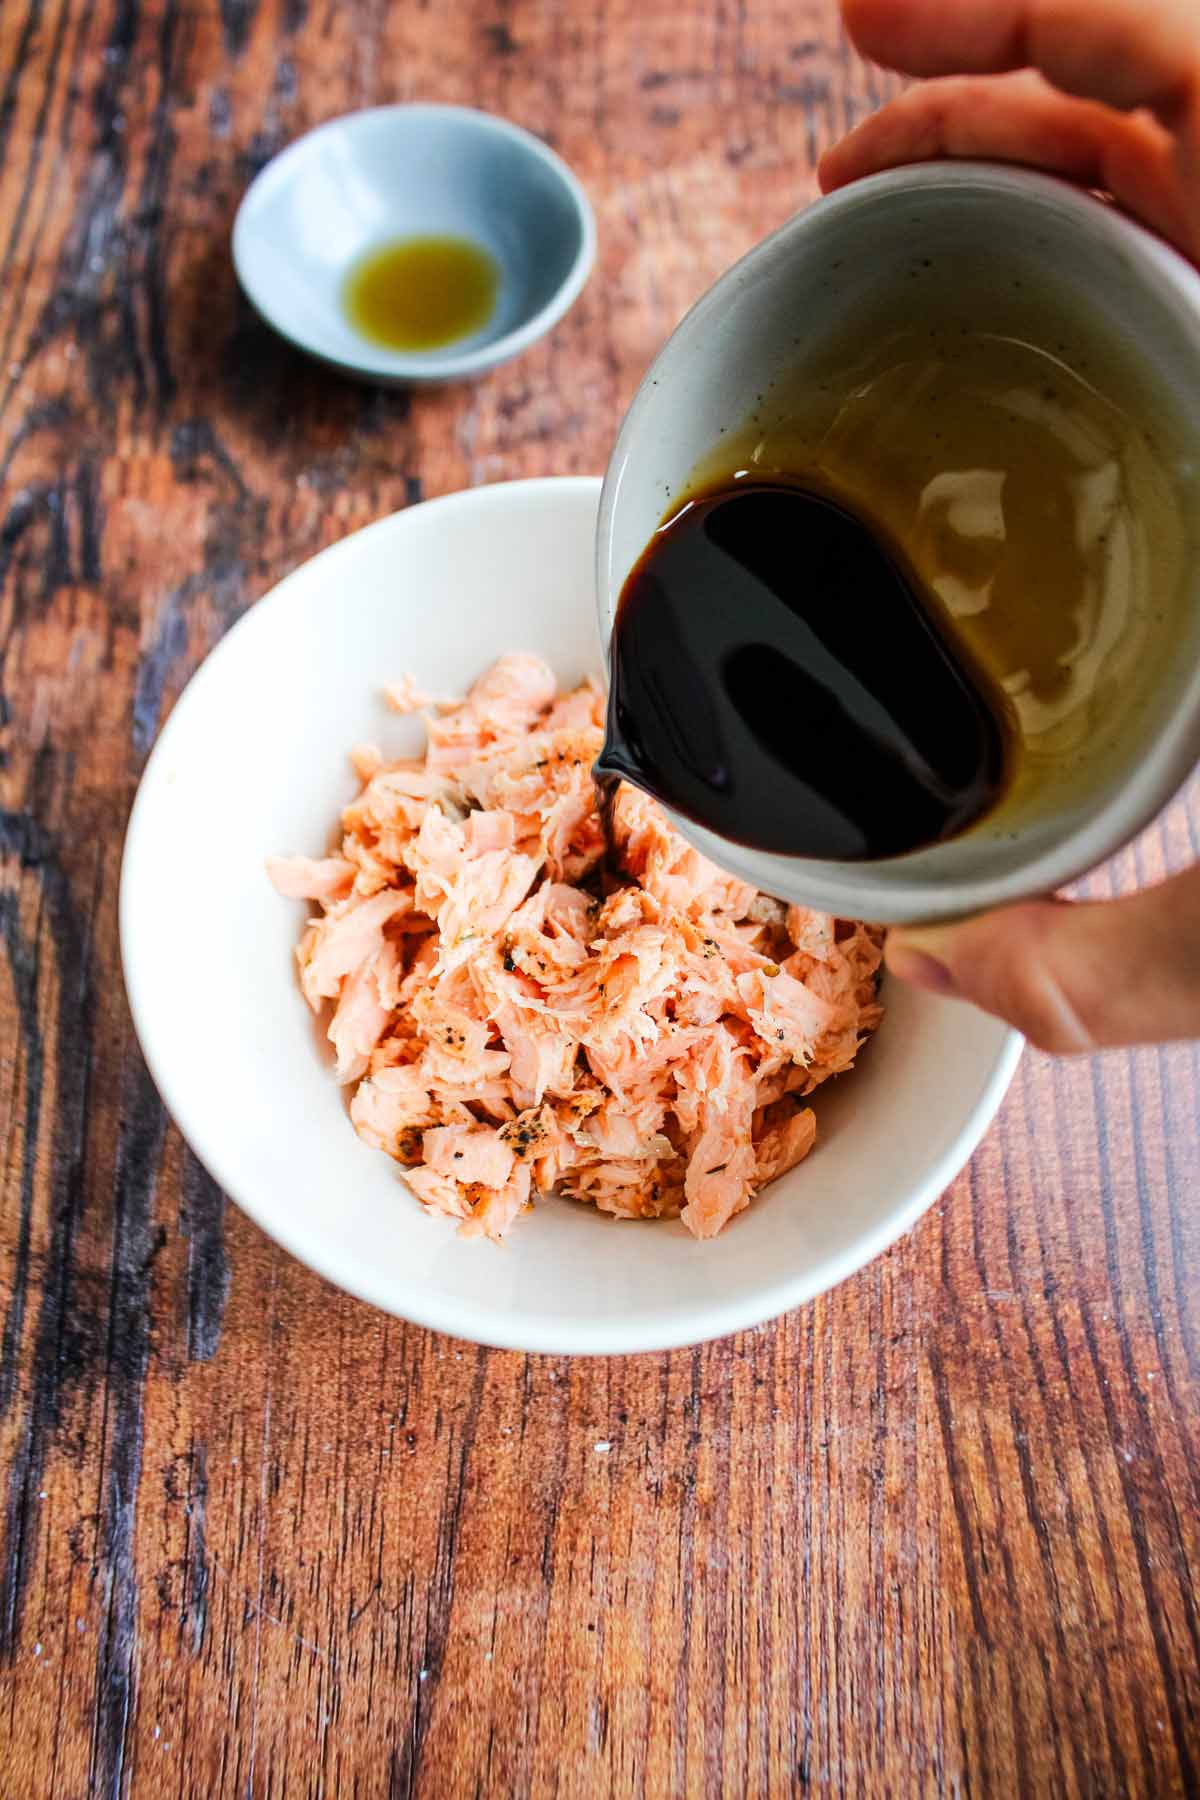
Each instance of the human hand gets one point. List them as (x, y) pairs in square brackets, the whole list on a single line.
[(1106, 93), (1073, 976)]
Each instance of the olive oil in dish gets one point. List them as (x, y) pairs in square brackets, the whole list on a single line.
[(420, 293)]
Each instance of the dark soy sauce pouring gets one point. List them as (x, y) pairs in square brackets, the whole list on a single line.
[(778, 678)]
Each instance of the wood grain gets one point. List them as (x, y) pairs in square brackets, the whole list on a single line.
[(935, 1533)]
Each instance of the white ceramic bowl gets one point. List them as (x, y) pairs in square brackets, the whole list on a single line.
[(404, 171), (984, 227), (253, 760)]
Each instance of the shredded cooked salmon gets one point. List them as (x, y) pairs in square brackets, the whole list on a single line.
[(520, 1014)]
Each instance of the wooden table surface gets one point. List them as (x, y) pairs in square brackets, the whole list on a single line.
[(935, 1533)]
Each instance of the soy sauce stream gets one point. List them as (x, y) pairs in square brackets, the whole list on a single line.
[(778, 677)]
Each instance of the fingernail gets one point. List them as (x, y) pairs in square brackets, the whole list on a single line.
[(920, 970)]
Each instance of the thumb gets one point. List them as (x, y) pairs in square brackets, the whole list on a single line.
[(1073, 976)]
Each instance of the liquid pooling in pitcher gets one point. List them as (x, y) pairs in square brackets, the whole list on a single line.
[(1014, 526), (777, 675)]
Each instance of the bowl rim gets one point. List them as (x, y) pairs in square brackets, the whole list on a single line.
[(376, 361), (530, 1332), (898, 897)]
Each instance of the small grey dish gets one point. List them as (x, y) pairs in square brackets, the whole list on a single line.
[(398, 171)]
